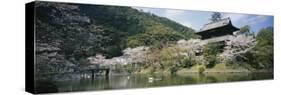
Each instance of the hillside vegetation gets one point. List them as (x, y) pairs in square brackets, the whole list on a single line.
[(67, 34), (72, 36)]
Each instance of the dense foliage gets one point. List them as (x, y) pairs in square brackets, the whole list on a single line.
[(210, 54), (264, 48), (245, 29), (80, 31), (261, 57), (68, 34)]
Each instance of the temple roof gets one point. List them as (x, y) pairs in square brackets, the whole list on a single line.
[(216, 24)]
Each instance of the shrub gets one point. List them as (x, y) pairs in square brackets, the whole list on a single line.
[(187, 62), (152, 70), (210, 54), (173, 70), (201, 69), (212, 61)]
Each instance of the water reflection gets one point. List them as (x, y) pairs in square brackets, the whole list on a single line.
[(139, 80)]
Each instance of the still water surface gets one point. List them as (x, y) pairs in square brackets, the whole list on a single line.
[(141, 80)]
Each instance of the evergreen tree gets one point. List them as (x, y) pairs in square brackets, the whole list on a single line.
[(216, 16)]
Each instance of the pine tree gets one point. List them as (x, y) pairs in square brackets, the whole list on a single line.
[(216, 16)]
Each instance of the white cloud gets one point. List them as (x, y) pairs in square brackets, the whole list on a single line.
[(173, 14), (246, 19), (256, 19), (177, 15), (236, 17), (188, 24)]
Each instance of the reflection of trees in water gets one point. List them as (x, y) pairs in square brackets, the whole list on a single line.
[(226, 77), (45, 86), (167, 80), (211, 79), (222, 77), (138, 80)]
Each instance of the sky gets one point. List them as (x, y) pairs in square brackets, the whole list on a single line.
[(196, 19)]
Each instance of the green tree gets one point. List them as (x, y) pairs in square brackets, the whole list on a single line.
[(245, 29), (261, 56), (264, 48), (81, 31), (210, 53)]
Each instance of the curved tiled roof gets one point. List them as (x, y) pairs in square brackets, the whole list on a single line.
[(216, 24)]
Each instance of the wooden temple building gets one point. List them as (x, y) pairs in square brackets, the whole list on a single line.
[(217, 31)]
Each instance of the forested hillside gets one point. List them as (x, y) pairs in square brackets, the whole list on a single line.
[(66, 34)]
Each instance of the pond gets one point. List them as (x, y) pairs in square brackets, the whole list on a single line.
[(143, 80)]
